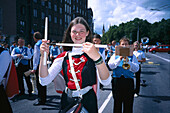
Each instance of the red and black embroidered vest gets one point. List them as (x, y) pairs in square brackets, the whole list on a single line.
[(84, 68)]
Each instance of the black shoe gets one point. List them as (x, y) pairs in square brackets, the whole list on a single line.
[(30, 94), (39, 103), (20, 94)]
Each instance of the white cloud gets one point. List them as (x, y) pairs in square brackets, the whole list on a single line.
[(114, 12)]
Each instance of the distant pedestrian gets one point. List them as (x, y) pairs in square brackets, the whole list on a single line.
[(5, 46), (42, 90), (110, 50), (122, 82), (22, 55), (32, 53), (14, 45), (54, 51), (31, 49), (97, 40), (140, 55)]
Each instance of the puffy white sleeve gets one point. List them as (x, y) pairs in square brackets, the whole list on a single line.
[(113, 63), (134, 66), (53, 71), (103, 82)]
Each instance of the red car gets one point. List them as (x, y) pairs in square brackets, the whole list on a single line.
[(160, 48)]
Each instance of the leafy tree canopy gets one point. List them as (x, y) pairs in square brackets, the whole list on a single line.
[(156, 32)]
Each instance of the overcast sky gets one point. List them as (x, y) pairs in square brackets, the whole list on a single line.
[(114, 12)]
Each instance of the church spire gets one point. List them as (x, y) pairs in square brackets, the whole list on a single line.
[(103, 30)]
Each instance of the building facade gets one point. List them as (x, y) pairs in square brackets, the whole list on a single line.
[(90, 18), (21, 18), (8, 20)]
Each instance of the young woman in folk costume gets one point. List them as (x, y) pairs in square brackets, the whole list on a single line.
[(87, 62)]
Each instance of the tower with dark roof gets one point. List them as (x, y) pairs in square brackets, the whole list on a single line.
[(103, 30)]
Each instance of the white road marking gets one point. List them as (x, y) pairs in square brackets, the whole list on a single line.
[(161, 57), (105, 103)]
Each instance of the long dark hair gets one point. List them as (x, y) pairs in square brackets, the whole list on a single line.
[(67, 37)]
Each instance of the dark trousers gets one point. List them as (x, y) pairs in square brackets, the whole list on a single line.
[(20, 73), (30, 63), (137, 75), (53, 59), (123, 93), (42, 90), (5, 106)]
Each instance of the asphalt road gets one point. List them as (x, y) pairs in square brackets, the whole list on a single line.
[(154, 96)]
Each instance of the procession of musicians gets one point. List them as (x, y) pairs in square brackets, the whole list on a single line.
[(123, 69)]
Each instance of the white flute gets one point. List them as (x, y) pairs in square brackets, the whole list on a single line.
[(45, 35), (76, 45)]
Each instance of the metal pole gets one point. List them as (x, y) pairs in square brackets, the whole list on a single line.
[(138, 34)]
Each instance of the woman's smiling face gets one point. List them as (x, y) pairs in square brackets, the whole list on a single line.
[(78, 33)]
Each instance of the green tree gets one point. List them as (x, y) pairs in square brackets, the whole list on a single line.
[(157, 32)]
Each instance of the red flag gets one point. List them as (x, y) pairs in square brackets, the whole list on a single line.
[(12, 82)]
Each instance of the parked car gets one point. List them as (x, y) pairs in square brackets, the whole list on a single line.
[(160, 48)]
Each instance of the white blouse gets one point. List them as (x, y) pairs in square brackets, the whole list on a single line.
[(139, 55)]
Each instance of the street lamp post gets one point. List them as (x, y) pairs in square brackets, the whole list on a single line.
[(137, 31), (138, 34)]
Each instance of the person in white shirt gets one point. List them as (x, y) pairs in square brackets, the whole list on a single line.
[(87, 63), (123, 80), (42, 90), (140, 55), (22, 55)]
